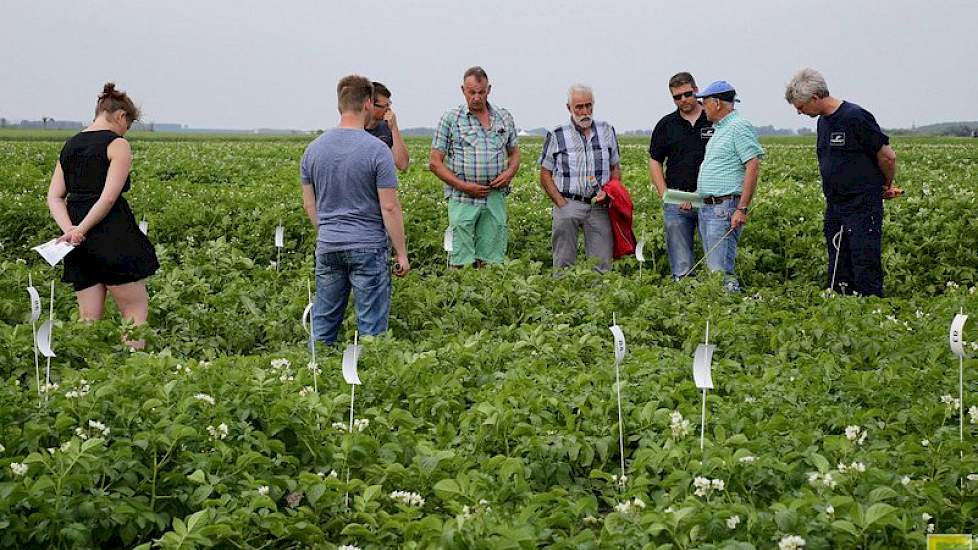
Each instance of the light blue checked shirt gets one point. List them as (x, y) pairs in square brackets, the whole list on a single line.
[(581, 166), (473, 153), (733, 144)]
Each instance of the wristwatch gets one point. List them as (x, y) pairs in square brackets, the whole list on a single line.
[(742, 209)]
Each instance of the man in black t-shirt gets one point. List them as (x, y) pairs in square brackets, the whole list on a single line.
[(383, 126), (679, 143), (857, 166)]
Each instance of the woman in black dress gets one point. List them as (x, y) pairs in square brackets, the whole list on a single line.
[(85, 199)]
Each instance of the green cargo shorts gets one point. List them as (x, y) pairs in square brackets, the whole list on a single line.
[(478, 232)]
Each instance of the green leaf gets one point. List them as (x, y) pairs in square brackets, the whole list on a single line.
[(198, 477), (447, 489), (876, 513), (845, 526)]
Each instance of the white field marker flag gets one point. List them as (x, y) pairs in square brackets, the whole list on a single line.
[(956, 337), (351, 356), (640, 256), (279, 243), (448, 245), (620, 351), (837, 244), (42, 339), (144, 226), (703, 375), (307, 325), (35, 299)]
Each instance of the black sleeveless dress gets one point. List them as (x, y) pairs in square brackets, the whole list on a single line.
[(114, 251)]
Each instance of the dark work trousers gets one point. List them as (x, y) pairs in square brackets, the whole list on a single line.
[(860, 267)]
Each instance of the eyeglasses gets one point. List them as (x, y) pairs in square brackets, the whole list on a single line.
[(677, 97), (383, 106)]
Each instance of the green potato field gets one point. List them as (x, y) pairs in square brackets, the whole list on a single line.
[(487, 417)]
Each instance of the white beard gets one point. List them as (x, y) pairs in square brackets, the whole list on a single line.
[(583, 121)]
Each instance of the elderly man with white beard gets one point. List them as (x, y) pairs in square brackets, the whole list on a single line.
[(578, 159)]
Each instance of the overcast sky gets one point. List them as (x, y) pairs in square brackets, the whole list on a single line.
[(250, 64)]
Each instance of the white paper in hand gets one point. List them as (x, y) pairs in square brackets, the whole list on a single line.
[(35, 303), (144, 226), (44, 338), (53, 251), (306, 314), (448, 243), (619, 343), (956, 335), (350, 358), (279, 236), (703, 366), (640, 251)]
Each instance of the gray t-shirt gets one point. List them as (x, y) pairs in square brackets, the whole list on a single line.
[(345, 168)]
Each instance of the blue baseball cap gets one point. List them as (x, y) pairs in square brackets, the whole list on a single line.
[(719, 88)]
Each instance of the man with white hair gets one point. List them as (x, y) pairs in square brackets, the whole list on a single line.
[(857, 166), (578, 159)]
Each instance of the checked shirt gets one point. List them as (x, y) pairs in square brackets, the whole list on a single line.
[(734, 142), (580, 166), (472, 153)]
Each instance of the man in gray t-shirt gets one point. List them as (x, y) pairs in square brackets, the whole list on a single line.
[(349, 193)]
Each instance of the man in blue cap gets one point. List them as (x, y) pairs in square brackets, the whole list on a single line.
[(727, 179), (857, 166)]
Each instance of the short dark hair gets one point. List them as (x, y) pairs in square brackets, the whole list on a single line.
[(352, 91), (681, 79), (381, 91), (478, 72)]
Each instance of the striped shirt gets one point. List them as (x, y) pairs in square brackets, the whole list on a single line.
[(733, 144), (580, 165), (472, 153)]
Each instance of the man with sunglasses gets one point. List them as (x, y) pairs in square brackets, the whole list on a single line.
[(679, 143), (727, 180), (383, 126), (857, 166)]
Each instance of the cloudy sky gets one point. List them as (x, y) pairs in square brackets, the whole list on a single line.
[(250, 64)]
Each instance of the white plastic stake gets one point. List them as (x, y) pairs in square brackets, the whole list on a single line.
[(837, 244), (50, 354), (279, 243), (35, 298), (956, 338), (640, 256), (620, 350), (307, 325), (703, 375), (353, 393), (448, 244), (144, 226)]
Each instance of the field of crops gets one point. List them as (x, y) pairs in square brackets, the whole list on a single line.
[(488, 416)]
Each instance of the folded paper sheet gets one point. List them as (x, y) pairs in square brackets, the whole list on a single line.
[(673, 196), (53, 251)]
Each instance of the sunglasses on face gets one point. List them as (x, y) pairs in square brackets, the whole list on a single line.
[(382, 106), (677, 97)]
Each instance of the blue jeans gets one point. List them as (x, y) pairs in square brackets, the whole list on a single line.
[(714, 224), (680, 228), (366, 271)]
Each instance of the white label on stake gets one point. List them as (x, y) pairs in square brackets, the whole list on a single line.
[(279, 236), (350, 358), (449, 242), (144, 226), (957, 334), (306, 314), (44, 338), (640, 251), (703, 366), (35, 303), (619, 343), (53, 251)]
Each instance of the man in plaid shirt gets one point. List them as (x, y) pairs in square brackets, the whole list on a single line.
[(475, 153), (578, 159)]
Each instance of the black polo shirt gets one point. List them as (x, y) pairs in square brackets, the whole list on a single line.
[(848, 141), (382, 131), (680, 147)]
